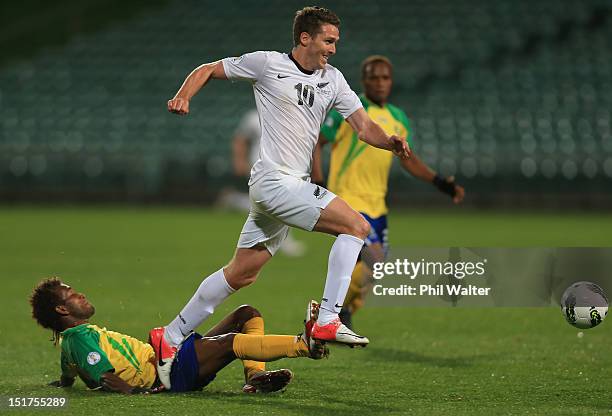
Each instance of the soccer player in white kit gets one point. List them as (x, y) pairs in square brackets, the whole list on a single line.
[(293, 92)]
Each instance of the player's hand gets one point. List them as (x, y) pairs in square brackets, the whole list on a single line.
[(62, 382), (178, 106), (449, 187), (459, 193), (399, 147)]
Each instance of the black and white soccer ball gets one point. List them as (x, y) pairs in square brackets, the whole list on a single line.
[(584, 305)]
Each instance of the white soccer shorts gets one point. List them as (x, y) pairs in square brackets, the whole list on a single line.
[(279, 200)]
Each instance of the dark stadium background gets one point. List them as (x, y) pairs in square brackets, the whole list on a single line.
[(101, 186), (513, 98)]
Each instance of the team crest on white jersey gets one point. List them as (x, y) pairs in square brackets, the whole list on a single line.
[(323, 89)]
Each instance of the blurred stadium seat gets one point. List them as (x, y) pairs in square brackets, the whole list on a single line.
[(499, 92)]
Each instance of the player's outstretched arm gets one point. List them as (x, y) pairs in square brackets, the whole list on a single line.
[(371, 133), (192, 84), (417, 168), (112, 382)]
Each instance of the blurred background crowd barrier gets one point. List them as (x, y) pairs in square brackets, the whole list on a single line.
[(511, 97)]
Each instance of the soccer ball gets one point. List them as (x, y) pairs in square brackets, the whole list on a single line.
[(584, 305)]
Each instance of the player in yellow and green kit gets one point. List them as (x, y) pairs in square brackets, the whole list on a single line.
[(359, 173), (117, 362)]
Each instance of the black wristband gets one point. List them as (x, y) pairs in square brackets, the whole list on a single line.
[(444, 186)]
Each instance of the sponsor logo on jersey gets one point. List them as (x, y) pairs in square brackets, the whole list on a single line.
[(279, 76), (93, 358)]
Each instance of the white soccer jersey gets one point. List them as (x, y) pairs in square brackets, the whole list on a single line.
[(292, 105)]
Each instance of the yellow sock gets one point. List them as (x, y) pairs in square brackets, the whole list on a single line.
[(254, 326), (354, 296), (268, 347)]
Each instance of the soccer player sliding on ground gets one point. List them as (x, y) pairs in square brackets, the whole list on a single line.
[(293, 93), (117, 362)]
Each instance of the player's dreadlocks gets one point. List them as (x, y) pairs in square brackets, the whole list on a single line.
[(310, 19), (44, 298)]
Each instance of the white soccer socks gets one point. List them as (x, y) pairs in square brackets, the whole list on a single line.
[(212, 291), (342, 258)]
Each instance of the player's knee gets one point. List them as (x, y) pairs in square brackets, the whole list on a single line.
[(247, 278), (247, 312), (239, 278), (360, 228)]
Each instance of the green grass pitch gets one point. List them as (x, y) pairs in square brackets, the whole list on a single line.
[(139, 266)]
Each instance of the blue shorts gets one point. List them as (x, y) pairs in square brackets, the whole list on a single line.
[(378, 231), (185, 373)]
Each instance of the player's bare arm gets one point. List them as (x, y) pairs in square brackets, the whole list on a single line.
[(371, 133), (109, 381), (417, 168), (112, 382), (194, 83)]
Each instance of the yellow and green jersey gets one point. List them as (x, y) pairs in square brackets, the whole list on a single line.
[(90, 351), (358, 172)]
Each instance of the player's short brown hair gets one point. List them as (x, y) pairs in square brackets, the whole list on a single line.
[(374, 59), (44, 298), (310, 19)]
